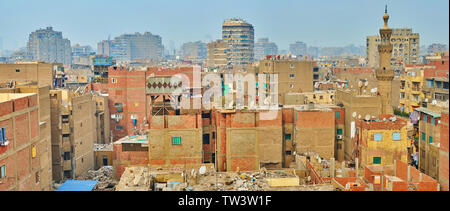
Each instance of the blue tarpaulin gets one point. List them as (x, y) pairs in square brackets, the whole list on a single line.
[(77, 185)]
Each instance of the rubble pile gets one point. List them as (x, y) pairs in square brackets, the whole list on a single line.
[(104, 176), (135, 179)]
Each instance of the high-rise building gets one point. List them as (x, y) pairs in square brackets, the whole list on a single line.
[(263, 47), (194, 50), (239, 36), (405, 48), (104, 47), (49, 46), (384, 73), (216, 54), (298, 48), (128, 47)]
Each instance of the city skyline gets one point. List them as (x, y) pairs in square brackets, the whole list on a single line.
[(317, 21)]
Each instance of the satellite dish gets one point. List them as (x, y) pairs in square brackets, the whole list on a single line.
[(359, 116), (202, 170), (434, 102), (367, 117), (354, 114), (394, 119)]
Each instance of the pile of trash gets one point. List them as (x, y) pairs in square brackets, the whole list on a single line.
[(104, 176), (135, 179)]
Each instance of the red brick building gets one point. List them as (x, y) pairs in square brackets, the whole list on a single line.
[(20, 160)]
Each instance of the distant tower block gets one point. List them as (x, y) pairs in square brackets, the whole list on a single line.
[(384, 73)]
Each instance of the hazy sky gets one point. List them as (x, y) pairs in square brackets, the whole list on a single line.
[(318, 23)]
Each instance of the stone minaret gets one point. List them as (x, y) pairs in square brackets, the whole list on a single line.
[(384, 73)]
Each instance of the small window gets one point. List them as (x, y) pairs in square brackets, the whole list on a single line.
[(292, 66), (433, 121), (292, 75), (424, 136), (113, 80), (377, 137), (339, 131), (2, 171), (66, 155), (430, 139), (206, 139), (288, 152), (287, 137), (337, 114), (396, 136), (176, 140), (119, 127), (17, 71), (376, 160)]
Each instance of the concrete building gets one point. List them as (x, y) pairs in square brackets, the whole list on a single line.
[(73, 133), (104, 47), (129, 47), (194, 51), (263, 48), (381, 140), (294, 76), (405, 48), (43, 74), (49, 46), (25, 158), (216, 54), (103, 118), (239, 38), (411, 95), (99, 66), (443, 152), (429, 139), (356, 105), (298, 49)]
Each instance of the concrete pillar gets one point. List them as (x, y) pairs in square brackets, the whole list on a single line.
[(332, 167)]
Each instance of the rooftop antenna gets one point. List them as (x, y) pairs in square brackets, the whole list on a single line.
[(385, 10)]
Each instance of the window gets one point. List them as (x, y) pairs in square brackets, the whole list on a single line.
[(291, 86), (337, 114), (377, 137), (176, 140), (433, 121), (113, 80), (425, 118), (288, 152), (292, 75), (339, 131), (287, 137), (376, 160), (205, 138), (17, 71), (430, 139), (2, 171), (396, 136), (66, 155), (2, 134), (292, 66), (119, 127), (424, 136)]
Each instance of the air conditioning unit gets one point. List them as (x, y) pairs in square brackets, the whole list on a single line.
[(339, 137)]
